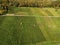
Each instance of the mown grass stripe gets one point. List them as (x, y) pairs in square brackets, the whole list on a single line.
[(39, 22), (48, 12)]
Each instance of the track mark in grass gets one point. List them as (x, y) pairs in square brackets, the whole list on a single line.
[(52, 10), (53, 30), (41, 26), (35, 11), (20, 30), (41, 12), (10, 30), (44, 14), (31, 31), (46, 24), (48, 12)]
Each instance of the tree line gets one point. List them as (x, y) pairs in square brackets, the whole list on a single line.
[(29, 3), (5, 4)]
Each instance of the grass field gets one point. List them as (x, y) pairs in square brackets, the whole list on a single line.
[(35, 11), (29, 30), (38, 28)]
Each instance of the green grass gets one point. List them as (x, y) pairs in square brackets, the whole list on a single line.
[(52, 27), (47, 43), (34, 11), (20, 31), (30, 30), (27, 30), (25, 10)]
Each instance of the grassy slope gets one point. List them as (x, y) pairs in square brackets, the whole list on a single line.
[(15, 26), (52, 29), (20, 31), (51, 25), (34, 11), (48, 25)]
